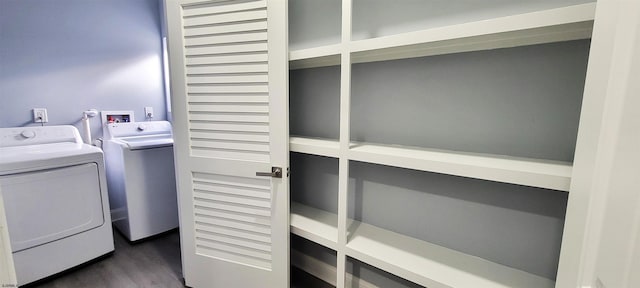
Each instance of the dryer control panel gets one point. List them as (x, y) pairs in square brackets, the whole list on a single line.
[(132, 129), (21, 136)]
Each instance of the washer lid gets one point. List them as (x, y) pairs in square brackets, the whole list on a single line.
[(145, 142), (20, 158)]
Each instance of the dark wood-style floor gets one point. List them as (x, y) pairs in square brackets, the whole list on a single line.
[(154, 262)]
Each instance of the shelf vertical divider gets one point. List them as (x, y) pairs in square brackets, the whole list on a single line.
[(345, 136)]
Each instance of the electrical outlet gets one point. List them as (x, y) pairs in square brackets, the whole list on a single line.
[(40, 115), (148, 112)]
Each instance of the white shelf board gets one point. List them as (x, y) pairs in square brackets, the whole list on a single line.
[(314, 146), (523, 171), (314, 224), (432, 265), (553, 25), (328, 55)]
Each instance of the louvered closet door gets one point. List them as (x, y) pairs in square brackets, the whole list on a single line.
[(228, 63)]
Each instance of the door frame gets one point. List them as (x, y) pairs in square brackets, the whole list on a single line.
[(606, 123)]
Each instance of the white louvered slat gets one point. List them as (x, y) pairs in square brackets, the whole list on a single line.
[(230, 107), (233, 224), (238, 48), (219, 19), (227, 38), (236, 241), (260, 211), (247, 88), (218, 9), (232, 247), (217, 144), (227, 59), (205, 195), (226, 69), (232, 189), (231, 117), (230, 135), (251, 183), (237, 249), (225, 79), (226, 49), (210, 125), (206, 152), (234, 232), (240, 217), (228, 98), (228, 252), (231, 28), (227, 255)]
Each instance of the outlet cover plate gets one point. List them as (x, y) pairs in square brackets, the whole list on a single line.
[(40, 115)]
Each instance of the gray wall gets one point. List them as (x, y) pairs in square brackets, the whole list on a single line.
[(522, 101), (370, 274), (514, 225), (314, 181), (314, 102), (72, 55), (314, 23)]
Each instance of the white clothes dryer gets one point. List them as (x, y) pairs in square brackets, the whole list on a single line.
[(55, 197), (141, 178)]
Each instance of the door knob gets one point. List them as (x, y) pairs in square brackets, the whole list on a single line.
[(276, 172)]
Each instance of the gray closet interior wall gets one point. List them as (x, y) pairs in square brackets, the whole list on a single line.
[(517, 226), (314, 102), (317, 23), (314, 181), (363, 272), (522, 101)]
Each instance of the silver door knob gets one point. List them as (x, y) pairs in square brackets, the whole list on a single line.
[(276, 172)]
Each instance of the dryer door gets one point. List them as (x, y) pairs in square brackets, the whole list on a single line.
[(46, 205)]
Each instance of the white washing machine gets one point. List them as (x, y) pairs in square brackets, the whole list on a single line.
[(55, 196), (141, 178)]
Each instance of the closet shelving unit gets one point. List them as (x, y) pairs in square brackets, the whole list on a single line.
[(416, 260)]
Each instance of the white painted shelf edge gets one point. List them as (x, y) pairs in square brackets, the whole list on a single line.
[(314, 146), (432, 265), (314, 224), (523, 171), (552, 25), (322, 51), (547, 174), (315, 57)]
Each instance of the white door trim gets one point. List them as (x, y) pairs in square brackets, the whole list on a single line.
[(610, 85)]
